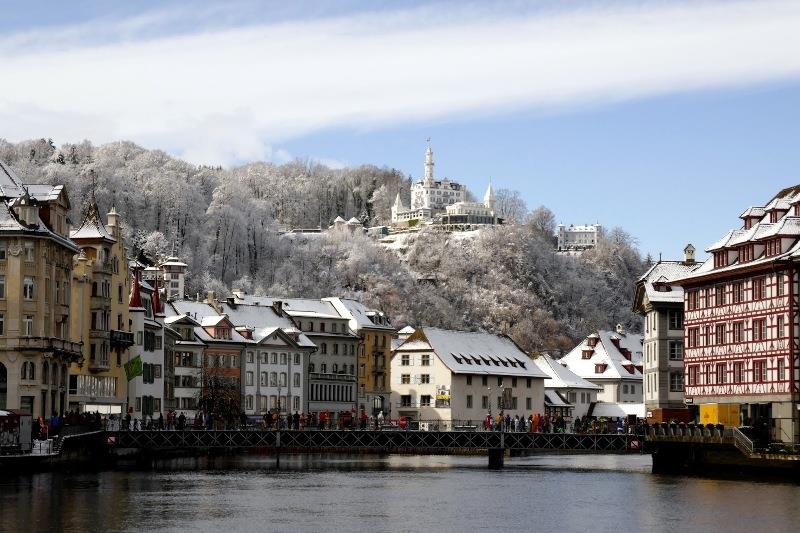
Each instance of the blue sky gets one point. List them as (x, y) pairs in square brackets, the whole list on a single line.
[(665, 118)]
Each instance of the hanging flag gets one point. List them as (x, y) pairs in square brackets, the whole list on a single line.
[(134, 368)]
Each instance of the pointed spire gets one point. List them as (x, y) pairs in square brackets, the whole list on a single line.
[(136, 295), (156, 299), (429, 164), (398, 203), (488, 198)]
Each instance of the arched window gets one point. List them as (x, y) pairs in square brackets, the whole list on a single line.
[(45, 372), (94, 289)]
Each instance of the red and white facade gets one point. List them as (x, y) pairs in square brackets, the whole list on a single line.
[(741, 320)]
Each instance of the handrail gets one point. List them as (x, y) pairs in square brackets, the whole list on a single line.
[(742, 442)]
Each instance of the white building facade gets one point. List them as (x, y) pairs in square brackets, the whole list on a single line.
[(613, 360), (566, 393), (443, 375), (446, 198), (574, 238)]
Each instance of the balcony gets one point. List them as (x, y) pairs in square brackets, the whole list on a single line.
[(102, 268), (60, 347), (98, 334), (317, 376), (99, 365), (100, 303), (122, 339)]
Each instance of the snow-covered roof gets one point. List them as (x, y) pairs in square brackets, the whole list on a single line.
[(605, 352), (211, 320), (92, 228), (552, 398), (788, 226), (752, 212), (339, 219), (173, 261), (360, 316), (465, 352), (724, 240), (262, 317), (664, 272), (408, 330), (10, 223), (561, 377), (618, 410), (354, 220)]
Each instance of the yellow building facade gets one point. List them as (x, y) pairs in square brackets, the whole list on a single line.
[(35, 268), (100, 320)]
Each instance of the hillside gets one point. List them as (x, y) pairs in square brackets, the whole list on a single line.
[(226, 224)]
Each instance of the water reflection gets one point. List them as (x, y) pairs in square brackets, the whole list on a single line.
[(394, 493)]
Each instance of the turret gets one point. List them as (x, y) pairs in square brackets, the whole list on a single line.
[(428, 181), (488, 198), (688, 255), (113, 222)]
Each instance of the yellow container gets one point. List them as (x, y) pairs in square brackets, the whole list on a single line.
[(726, 414)]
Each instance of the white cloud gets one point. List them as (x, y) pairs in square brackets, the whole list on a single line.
[(218, 96)]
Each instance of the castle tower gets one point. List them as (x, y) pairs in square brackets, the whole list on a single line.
[(174, 278), (488, 198), (428, 181), (397, 207)]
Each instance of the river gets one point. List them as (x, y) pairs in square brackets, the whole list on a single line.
[(395, 493)]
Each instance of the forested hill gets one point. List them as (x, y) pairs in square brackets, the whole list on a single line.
[(227, 225)]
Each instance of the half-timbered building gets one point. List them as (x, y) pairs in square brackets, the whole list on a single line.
[(741, 320)]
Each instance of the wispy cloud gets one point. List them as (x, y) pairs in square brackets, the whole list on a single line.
[(224, 95)]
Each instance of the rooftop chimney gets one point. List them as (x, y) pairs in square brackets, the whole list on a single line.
[(688, 255), (620, 329)]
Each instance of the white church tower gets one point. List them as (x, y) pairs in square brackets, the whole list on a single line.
[(428, 180), (488, 198), (398, 207)]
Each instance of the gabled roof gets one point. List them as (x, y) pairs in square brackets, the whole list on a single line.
[(561, 377), (92, 228), (606, 353), (465, 352), (663, 272), (361, 317)]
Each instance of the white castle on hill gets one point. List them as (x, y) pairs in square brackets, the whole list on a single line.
[(443, 202)]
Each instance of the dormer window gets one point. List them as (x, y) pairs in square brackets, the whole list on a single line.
[(600, 368), (223, 333), (586, 354), (720, 259), (773, 247)]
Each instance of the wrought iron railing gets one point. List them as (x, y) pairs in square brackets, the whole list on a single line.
[(742, 441)]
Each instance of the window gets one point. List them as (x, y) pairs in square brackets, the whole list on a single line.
[(484, 402), (249, 402), (738, 372), (719, 295), (159, 342), (30, 255), (27, 288), (469, 380), (693, 336), (2, 251), (528, 404), (283, 359), (405, 400), (759, 329), (719, 334), (469, 401), (721, 374), (273, 379), (675, 382), (484, 380), (335, 348), (759, 288), (296, 380), (324, 347), (781, 327), (2, 286), (426, 360), (780, 288), (249, 357), (273, 358), (781, 369), (759, 371), (425, 400), (675, 320), (27, 327), (691, 300), (297, 358), (425, 378), (738, 332), (693, 372), (248, 378), (282, 379), (625, 389), (738, 292), (499, 381), (322, 326), (2, 325), (405, 379), (405, 360)]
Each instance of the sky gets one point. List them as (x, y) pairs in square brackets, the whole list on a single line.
[(666, 118)]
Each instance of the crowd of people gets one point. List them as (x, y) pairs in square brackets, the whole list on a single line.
[(538, 423)]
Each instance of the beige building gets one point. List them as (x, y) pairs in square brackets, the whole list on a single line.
[(100, 320), (35, 266), (660, 302), (462, 376), (375, 333)]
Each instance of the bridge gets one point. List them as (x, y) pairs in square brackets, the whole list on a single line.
[(494, 444)]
